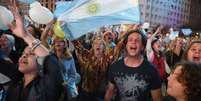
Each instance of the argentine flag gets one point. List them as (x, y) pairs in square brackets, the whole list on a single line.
[(93, 14), (27, 1), (67, 6)]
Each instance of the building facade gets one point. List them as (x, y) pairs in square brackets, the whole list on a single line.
[(50, 3), (172, 13), (195, 16)]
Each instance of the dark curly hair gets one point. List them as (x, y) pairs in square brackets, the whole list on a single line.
[(144, 38), (191, 78), (36, 31)]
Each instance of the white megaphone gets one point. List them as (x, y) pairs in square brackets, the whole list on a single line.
[(40, 14), (6, 17)]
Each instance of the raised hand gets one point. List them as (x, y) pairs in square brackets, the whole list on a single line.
[(18, 27), (19, 30), (159, 29)]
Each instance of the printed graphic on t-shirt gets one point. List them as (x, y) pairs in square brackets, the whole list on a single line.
[(130, 86)]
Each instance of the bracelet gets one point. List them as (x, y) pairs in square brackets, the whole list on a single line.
[(35, 44)]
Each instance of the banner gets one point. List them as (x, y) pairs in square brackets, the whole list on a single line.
[(187, 31)]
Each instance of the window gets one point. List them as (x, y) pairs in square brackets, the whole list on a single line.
[(161, 2), (147, 15), (172, 6), (159, 17), (157, 1), (156, 9), (148, 6), (141, 13), (152, 15), (155, 17)]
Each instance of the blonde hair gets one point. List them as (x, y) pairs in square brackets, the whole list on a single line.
[(67, 52), (173, 43)]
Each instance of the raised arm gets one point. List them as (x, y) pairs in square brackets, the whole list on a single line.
[(81, 53), (45, 32), (19, 30), (156, 95), (148, 46), (109, 92)]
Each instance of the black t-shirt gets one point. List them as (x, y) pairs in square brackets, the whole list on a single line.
[(173, 58), (134, 84)]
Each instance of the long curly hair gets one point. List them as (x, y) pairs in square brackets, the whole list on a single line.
[(191, 78)]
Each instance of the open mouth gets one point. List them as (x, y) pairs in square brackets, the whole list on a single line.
[(133, 48), (196, 59), (23, 62), (98, 49), (109, 38), (159, 46)]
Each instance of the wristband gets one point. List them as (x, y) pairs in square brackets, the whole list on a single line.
[(35, 44)]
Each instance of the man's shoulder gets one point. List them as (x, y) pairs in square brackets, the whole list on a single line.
[(147, 63), (118, 62), (149, 66)]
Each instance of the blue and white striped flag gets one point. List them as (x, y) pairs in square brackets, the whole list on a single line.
[(61, 7), (96, 13), (27, 1), (67, 6)]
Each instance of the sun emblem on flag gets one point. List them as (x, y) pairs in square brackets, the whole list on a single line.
[(93, 8)]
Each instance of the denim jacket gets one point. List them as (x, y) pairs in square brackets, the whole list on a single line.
[(69, 76)]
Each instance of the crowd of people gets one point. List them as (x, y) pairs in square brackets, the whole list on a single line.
[(130, 65)]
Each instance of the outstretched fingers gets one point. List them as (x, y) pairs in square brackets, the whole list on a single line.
[(13, 3), (12, 7), (17, 27)]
